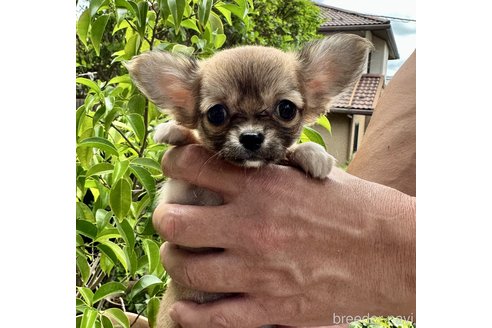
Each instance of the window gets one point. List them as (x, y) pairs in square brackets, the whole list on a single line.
[(356, 137)]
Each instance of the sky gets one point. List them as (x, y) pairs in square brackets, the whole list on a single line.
[(404, 31)]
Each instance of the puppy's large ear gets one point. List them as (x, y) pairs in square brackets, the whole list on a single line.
[(168, 80), (328, 67)]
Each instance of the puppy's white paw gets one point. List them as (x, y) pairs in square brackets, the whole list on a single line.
[(171, 133), (313, 159)]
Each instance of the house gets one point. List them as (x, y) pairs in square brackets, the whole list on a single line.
[(351, 113)]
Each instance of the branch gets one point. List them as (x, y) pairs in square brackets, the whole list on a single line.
[(126, 139), (146, 124), (158, 12), (136, 30)]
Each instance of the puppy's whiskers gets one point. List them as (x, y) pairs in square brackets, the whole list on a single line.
[(215, 155)]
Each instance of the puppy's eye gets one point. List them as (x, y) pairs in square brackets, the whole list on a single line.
[(217, 114), (286, 110)]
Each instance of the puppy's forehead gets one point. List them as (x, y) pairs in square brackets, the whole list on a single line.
[(249, 76)]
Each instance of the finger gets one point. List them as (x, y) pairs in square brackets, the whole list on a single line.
[(197, 226), (212, 271), (236, 312), (193, 163)]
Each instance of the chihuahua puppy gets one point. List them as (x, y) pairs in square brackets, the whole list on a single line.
[(247, 105)]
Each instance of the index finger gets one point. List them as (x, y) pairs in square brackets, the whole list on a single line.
[(198, 166)]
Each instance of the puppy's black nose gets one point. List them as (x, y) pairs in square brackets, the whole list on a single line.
[(251, 140)]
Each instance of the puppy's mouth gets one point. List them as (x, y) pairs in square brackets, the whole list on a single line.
[(246, 158), (251, 148)]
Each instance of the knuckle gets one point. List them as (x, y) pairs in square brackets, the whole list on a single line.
[(188, 155), (169, 225), (189, 277), (168, 160)]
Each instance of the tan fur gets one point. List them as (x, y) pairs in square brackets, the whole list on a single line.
[(250, 82)]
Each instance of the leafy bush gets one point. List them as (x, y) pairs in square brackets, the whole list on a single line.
[(382, 322), (281, 24), (118, 164)]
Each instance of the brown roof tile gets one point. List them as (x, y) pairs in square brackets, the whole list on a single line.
[(340, 17), (363, 96)]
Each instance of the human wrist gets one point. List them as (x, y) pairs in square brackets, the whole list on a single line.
[(394, 253)]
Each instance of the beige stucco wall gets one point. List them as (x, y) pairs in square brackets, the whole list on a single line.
[(379, 56), (340, 143), (337, 143)]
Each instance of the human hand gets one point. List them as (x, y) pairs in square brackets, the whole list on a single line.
[(299, 251)]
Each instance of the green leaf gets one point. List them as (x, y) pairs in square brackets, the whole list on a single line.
[(132, 46), (139, 207), (100, 143), (120, 198), (323, 121), (107, 234), (94, 6), (84, 212), (100, 169), (138, 126), (118, 316), (152, 310), (145, 179), (148, 163), (89, 83), (131, 259), (106, 322), (216, 24), (97, 31), (219, 41), (179, 48), (164, 9), (106, 264), (127, 5), (83, 26), (135, 9), (79, 241), (236, 10), (176, 8), (79, 118), (102, 218), (120, 169), (137, 104), (121, 79), (84, 268), (87, 295), (190, 24), (143, 8), (144, 283), (126, 231), (111, 117), (110, 288), (120, 14), (204, 7), (80, 305), (225, 12), (314, 136), (86, 228), (88, 318), (113, 252), (151, 249), (98, 114)]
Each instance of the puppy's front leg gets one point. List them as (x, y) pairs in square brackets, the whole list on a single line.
[(312, 158), (174, 134)]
